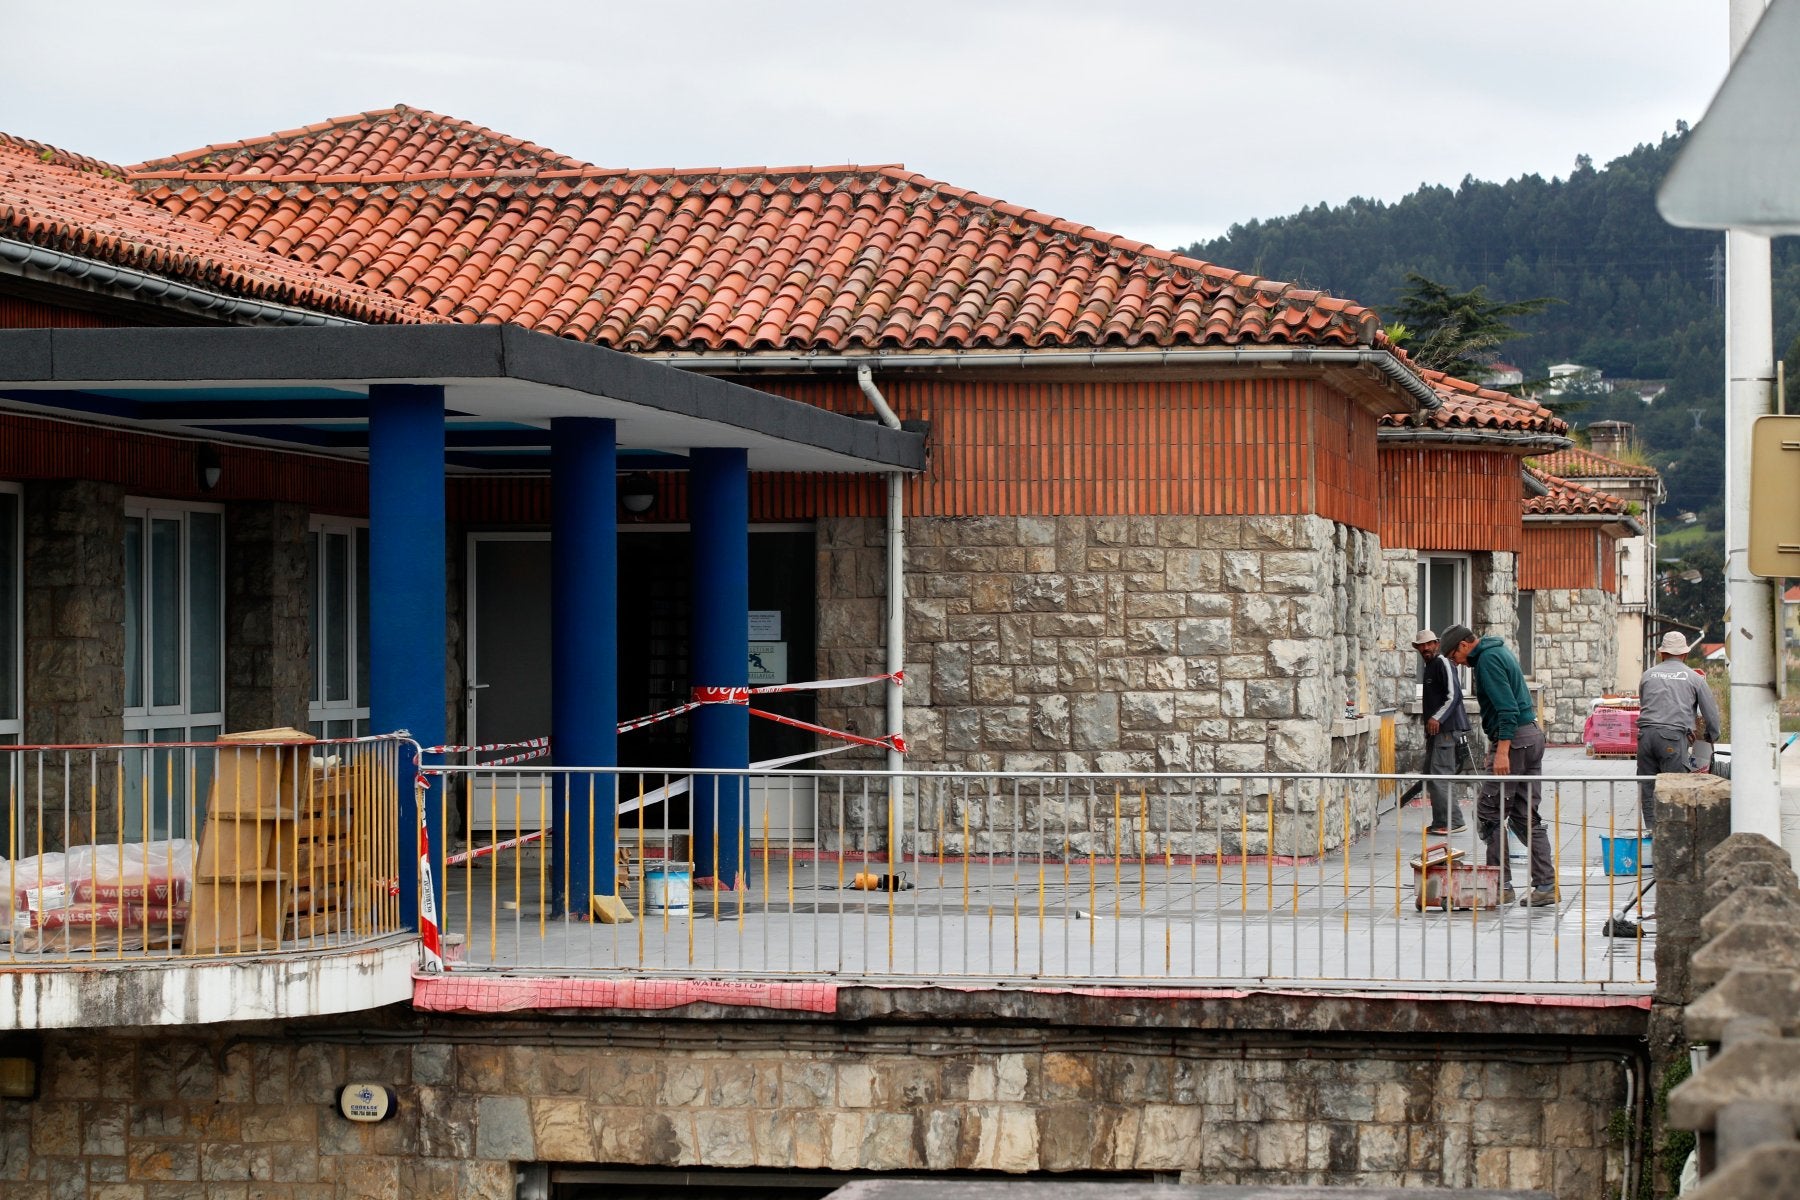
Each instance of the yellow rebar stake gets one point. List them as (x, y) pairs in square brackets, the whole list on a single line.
[(1584, 882), (1143, 862), (1243, 854), (643, 886), (1117, 848), (1093, 896), (1269, 856), (1347, 826), (1015, 933), (1319, 852), (965, 861), (543, 871)]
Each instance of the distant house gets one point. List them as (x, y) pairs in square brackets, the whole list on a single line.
[(1790, 614), (1503, 375), (1567, 377)]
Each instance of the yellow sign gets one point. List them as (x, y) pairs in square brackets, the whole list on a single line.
[(1775, 497)]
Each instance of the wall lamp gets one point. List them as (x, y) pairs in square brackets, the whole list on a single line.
[(637, 493), (207, 467)]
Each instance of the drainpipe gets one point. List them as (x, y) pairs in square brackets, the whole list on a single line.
[(896, 615)]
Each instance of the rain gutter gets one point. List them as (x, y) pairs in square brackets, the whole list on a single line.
[(1470, 437), (1320, 356), (141, 285)]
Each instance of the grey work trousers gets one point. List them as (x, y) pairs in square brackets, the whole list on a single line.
[(1662, 750), (1440, 762), (1517, 805)]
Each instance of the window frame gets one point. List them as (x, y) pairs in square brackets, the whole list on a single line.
[(149, 716), (1463, 605), (12, 579), (354, 708)]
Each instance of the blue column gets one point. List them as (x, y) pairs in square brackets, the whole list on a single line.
[(407, 625), (584, 641), (719, 508)]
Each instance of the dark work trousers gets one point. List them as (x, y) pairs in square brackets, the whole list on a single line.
[(1662, 750), (1440, 762), (1521, 809)]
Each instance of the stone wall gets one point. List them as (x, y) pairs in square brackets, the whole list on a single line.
[(74, 619), (74, 612), (172, 1115), (1577, 655), (1397, 682), (1104, 644), (268, 609)]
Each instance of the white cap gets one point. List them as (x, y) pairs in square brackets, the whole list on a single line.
[(1674, 643), (1423, 636)]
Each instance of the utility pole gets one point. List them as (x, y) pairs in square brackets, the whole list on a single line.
[(1750, 644)]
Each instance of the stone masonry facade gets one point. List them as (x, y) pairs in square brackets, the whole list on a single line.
[(1097, 644), (268, 602), (1576, 630), (248, 1112)]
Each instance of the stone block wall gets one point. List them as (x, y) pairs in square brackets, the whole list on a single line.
[(74, 618), (1397, 682), (268, 607), (180, 1115), (1577, 654), (74, 612), (1106, 644)]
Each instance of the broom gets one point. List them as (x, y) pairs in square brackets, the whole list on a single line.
[(1619, 927)]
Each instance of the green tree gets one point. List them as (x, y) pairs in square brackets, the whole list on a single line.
[(1459, 332), (1693, 588)]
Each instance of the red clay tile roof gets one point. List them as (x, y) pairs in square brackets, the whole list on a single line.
[(1577, 463), (757, 258), (1567, 498), (392, 141), (81, 206), (1470, 406)]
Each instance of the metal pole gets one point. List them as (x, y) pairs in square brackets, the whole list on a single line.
[(1749, 601)]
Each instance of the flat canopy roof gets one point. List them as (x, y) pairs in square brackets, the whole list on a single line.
[(308, 388)]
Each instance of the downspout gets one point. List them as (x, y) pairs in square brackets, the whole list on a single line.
[(896, 617)]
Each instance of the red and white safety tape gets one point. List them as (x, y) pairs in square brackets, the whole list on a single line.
[(428, 918), (535, 747)]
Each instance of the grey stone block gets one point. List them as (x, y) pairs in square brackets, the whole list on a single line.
[(1746, 991), (1747, 944), (1760, 1070), (1767, 904), (1747, 847)]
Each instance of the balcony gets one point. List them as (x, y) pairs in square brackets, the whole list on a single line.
[(182, 883)]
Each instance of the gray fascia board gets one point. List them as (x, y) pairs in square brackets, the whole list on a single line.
[(436, 354)]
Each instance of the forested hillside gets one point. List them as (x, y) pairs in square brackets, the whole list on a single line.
[(1641, 300)]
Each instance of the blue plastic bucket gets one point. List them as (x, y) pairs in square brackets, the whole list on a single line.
[(1624, 855), (668, 888)]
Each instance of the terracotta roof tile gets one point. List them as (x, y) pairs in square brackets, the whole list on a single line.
[(1470, 406), (1567, 498), (475, 227), (395, 141), (82, 207), (1577, 463)]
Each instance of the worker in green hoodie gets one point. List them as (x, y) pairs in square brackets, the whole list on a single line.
[(1509, 719)]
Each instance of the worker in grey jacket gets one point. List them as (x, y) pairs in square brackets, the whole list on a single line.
[(1670, 697)]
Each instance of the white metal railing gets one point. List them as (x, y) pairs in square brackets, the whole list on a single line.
[(1037, 879), (155, 851)]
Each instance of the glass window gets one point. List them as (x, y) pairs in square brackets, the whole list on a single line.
[(1526, 642), (1444, 591), (339, 560), (174, 659)]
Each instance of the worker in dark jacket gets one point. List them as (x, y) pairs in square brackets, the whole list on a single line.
[(1672, 698), (1446, 725), (1509, 719)]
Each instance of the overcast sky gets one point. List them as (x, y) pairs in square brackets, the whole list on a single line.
[(1162, 121)]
